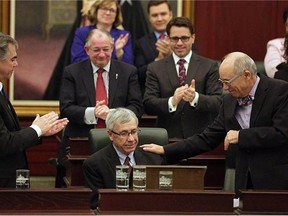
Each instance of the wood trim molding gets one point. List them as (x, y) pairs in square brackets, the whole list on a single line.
[(188, 9)]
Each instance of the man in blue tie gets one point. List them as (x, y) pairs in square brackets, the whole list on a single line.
[(255, 134), (14, 140)]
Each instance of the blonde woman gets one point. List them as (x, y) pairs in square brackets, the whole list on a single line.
[(104, 14)]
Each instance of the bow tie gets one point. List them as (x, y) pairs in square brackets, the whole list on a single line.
[(245, 101)]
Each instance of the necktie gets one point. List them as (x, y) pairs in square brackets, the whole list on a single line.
[(6, 98), (100, 95), (162, 36), (4, 94), (244, 101), (127, 162), (182, 71)]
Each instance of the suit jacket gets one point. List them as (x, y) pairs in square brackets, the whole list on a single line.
[(161, 83), (78, 53), (262, 149), (145, 52), (78, 92), (13, 142), (100, 168)]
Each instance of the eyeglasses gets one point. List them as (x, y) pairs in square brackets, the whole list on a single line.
[(183, 39), (228, 82), (105, 10), (126, 134)]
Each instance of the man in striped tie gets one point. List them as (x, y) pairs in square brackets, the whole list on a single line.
[(182, 89)]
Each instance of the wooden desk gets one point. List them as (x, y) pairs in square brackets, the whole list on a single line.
[(165, 202), (46, 201), (215, 162), (263, 202)]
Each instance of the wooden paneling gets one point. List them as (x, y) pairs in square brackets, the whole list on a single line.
[(165, 202)]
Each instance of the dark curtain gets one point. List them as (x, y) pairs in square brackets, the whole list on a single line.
[(244, 26), (53, 89), (134, 19)]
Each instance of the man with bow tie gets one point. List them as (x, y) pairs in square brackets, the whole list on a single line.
[(254, 133)]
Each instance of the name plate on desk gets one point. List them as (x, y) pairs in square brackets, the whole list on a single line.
[(184, 177), (165, 202)]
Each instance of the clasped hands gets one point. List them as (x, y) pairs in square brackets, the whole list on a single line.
[(163, 47), (50, 123), (101, 110), (186, 93)]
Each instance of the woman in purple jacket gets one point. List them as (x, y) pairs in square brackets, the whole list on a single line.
[(105, 14)]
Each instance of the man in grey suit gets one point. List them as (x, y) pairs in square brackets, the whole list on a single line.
[(252, 123), (79, 91), (100, 168), (185, 96)]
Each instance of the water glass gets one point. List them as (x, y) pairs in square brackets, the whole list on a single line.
[(139, 178), (122, 177), (165, 180), (22, 179)]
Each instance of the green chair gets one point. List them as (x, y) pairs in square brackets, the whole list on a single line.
[(98, 137)]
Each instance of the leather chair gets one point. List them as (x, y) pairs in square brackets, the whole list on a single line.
[(98, 137)]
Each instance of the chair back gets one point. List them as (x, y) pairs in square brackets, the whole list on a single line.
[(98, 137)]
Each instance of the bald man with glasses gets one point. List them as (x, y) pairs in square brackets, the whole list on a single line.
[(255, 133), (182, 89)]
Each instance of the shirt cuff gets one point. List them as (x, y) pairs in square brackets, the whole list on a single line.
[(170, 105), (195, 101), (89, 117), (37, 129)]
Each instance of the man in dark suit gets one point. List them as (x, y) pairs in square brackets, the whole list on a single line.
[(14, 140), (100, 168), (252, 123), (78, 93), (185, 96), (153, 46)]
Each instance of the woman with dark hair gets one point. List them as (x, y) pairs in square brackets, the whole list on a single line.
[(104, 14), (282, 68)]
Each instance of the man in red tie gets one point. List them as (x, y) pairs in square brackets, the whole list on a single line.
[(92, 87)]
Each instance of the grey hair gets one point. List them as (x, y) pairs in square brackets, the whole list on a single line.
[(99, 33), (5, 40), (120, 116), (242, 62)]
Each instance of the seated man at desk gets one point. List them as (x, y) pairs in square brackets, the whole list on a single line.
[(100, 168)]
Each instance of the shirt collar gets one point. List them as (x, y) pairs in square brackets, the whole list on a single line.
[(177, 58), (157, 34), (122, 156), (1, 86), (106, 67), (253, 90)]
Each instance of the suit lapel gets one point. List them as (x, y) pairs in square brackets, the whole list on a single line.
[(10, 111), (260, 96), (172, 72), (151, 43), (88, 79), (113, 82), (192, 68)]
